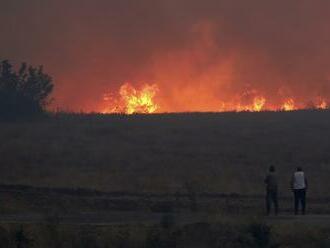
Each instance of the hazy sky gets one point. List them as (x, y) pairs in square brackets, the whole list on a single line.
[(211, 49)]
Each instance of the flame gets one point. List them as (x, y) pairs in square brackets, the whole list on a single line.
[(321, 104), (139, 101), (289, 105), (258, 103), (132, 100)]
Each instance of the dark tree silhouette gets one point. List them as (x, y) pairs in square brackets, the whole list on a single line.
[(23, 92)]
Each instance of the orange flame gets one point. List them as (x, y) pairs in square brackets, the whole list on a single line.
[(256, 106), (322, 104), (258, 103), (132, 100), (289, 105)]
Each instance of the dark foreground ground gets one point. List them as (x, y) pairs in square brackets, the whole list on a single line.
[(141, 230), (176, 180)]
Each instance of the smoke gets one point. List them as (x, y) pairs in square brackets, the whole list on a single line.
[(201, 54)]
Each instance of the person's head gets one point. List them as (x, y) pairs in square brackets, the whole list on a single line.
[(272, 168), (299, 168)]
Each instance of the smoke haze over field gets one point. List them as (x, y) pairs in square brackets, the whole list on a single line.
[(201, 54)]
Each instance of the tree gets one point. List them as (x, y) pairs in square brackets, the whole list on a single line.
[(25, 92)]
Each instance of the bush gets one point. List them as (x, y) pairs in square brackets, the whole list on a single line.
[(24, 92), (21, 239)]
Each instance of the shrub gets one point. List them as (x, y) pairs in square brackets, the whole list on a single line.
[(23, 92)]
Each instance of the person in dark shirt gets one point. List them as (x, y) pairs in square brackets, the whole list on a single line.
[(271, 190)]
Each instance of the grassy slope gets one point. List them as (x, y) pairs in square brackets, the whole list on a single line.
[(215, 152)]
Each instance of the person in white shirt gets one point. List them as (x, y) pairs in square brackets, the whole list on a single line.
[(299, 187)]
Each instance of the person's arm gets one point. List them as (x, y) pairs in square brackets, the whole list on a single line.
[(266, 179), (292, 183)]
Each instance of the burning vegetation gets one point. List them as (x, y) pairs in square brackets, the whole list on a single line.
[(145, 100), (132, 100), (289, 105)]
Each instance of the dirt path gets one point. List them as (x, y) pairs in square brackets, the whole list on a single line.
[(112, 218), (121, 218), (312, 220)]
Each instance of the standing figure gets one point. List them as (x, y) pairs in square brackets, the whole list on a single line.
[(299, 187), (271, 190)]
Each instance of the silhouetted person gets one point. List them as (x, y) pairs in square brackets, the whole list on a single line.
[(271, 190), (299, 187)]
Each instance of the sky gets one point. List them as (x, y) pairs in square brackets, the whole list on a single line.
[(200, 54)]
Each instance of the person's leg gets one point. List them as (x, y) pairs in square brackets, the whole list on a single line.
[(300, 196), (268, 202), (296, 201), (303, 201), (275, 200)]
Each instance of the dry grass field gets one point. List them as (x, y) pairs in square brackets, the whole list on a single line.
[(170, 180), (217, 153)]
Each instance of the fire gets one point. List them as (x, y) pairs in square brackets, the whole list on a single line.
[(322, 104), (258, 103), (133, 100), (130, 100), (139, 101), (288, 105)]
